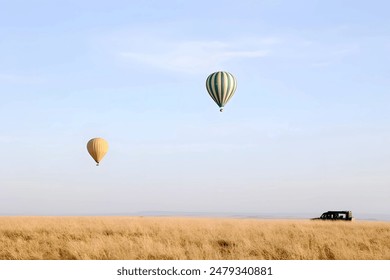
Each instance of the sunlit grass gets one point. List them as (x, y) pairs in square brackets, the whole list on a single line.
[(190, 238)]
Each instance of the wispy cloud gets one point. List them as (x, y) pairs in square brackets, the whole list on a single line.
[(245, 54), (191, 56), (335, 55), (198, 56), (20, 79), (163, 50)]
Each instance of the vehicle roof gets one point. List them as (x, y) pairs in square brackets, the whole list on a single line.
[(337, 212)]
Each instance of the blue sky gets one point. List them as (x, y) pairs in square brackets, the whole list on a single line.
[(307, 130)]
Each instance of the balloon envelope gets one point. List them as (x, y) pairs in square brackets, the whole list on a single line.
[(97, 148), (221, 87)]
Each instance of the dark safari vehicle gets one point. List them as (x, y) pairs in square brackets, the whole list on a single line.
[(336, 215)]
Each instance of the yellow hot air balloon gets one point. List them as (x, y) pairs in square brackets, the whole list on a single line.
[(97, 148)]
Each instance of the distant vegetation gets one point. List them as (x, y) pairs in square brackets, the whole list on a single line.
[(190, 238)]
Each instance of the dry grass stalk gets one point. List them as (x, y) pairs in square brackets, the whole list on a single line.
[(147, 238)]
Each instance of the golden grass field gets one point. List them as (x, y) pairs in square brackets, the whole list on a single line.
[(147, 238)]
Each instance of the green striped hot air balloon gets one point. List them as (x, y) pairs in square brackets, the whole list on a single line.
[(221, 87)]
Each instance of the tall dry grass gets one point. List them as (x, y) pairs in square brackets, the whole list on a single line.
[(190, 238)]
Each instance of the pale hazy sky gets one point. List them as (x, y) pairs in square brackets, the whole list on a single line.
[(308, 129)]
